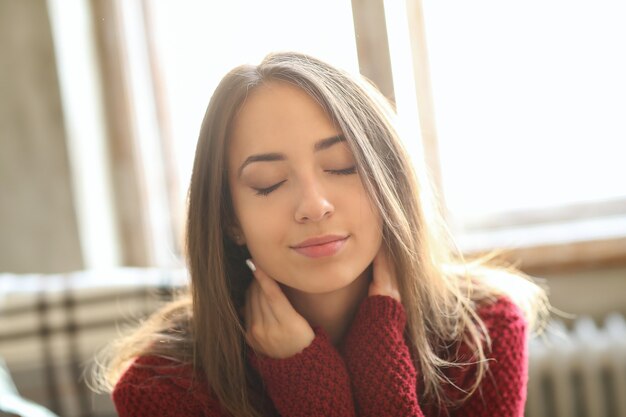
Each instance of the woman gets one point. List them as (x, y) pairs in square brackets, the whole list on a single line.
[(322, 282)]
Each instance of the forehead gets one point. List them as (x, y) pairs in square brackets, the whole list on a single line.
[(280, 100), (278, 112)]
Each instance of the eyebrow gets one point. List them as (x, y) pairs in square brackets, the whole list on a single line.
[(275, 156)]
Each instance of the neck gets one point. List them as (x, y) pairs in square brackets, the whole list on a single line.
[(332, 311)]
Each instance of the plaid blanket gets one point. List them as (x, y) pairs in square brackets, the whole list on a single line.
[(51, 327)]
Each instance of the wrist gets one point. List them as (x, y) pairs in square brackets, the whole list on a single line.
[(382, 310)]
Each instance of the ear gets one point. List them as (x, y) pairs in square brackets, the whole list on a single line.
[(236, 234)]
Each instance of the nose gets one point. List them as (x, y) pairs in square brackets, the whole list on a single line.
[(314, 204)]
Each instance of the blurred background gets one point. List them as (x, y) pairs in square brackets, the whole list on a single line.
[(517, 111)]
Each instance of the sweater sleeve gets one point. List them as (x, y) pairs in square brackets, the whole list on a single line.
[(156, 387), (383, 377), (313, 382), (502, 392)]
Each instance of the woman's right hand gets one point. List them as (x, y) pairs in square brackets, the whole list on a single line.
[(273, 327), (384, 281)]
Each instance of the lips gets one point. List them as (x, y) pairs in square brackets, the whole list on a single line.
[(321, 246)]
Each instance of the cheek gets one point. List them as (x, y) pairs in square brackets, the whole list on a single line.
[(364, 219), (371, 224), (372, 227), (368, 213), (265, 241), (263, 225)]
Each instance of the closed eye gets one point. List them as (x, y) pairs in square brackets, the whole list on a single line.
[(266, 191), (346, 171)]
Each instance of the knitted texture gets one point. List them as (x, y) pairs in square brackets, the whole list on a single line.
[(372, 373), (383, 377), (155, 386), (314, 382)]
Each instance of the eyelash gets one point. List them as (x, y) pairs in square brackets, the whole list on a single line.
[(265, 191)]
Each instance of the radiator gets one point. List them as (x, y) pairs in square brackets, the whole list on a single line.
[(579, 371)]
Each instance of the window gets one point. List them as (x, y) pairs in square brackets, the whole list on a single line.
[(529, 103)]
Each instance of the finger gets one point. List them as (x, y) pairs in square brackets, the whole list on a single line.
[(266, 310), (384, 279), (256, 318), (277, 300)]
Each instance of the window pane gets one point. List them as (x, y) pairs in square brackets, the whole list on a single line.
[(530, 102), (198, 42)]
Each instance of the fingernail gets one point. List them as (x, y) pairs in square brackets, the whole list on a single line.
[(250, 265)]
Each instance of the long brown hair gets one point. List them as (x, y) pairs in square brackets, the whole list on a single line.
[(440, 290)]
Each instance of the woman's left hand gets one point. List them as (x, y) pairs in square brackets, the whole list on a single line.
[(384, 280)]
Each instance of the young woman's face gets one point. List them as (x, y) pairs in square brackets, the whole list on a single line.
[(292, 178)]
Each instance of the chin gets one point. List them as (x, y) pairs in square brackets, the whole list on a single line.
[(331, 283)]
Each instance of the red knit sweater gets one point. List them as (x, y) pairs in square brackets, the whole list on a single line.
[(370, 374)]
